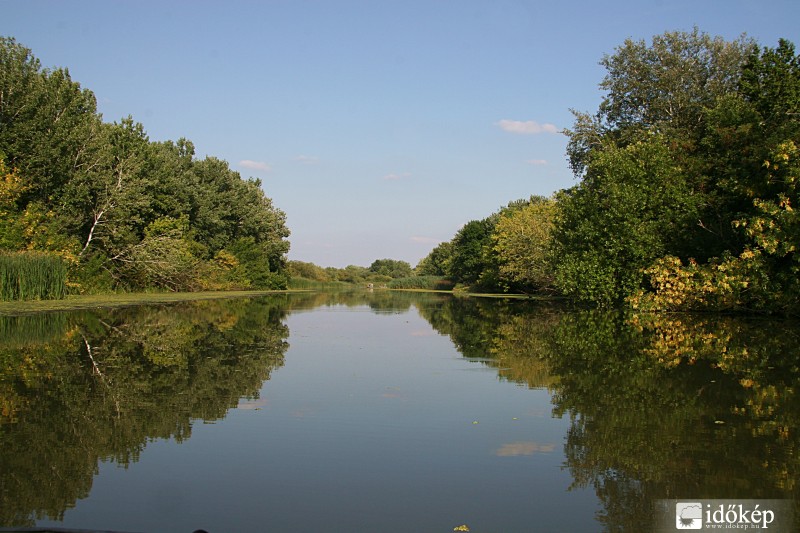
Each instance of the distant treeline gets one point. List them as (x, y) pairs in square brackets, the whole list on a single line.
[(688, 189), (387, 273), (120, 211)]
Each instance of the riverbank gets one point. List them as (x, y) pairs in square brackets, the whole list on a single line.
[(120, 300), (93, 301)]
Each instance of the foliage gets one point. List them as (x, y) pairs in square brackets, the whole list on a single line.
[(117, 380), (628, 211), (98, 193), (437, 262), (522, 241), (32, 276), (664, 86), (698, 213), (657, 404), (309, 271), (391, 268), (755, 140)]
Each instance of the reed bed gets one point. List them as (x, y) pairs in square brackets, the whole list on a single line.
[(298, 283), (432, 283), (32, 276)]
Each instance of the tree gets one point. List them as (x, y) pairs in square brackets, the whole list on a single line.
[(164, 258), (307, 270), (665, 86), (48, 123), (101, 194), (12, 228), (390, 267), (470, 246), (751, 145), (522, 241), (437, 262), (630, 210)]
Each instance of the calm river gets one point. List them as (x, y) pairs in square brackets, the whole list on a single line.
[(388, 412)]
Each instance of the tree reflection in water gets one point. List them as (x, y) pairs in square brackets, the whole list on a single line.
[(80, 388), (660, 406)]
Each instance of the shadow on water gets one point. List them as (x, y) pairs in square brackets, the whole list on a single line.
[(660, 406)]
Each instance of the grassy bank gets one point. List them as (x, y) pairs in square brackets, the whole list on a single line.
[(119, 300)]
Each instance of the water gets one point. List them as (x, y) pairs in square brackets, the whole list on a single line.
[(388, 412)]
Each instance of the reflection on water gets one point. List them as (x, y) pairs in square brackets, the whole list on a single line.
[(78, 388), (661, 406), (655, 406)]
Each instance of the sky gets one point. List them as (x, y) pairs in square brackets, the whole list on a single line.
[(379, 127)]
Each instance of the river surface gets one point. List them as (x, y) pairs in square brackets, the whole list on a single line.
[(388, 412)]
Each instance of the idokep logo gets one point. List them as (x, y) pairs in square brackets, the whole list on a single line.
[(689, 515), (750, 515)]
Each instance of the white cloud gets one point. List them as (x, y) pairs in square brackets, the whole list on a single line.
[(526, 127), (392, 177), (537, 161), (255, 165)]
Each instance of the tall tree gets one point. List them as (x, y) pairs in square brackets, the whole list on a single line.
[(470, 248)]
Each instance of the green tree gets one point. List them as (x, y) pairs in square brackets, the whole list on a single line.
[(437, 262), (629, 210), (391, 267), (307, 270), (522, 241), (48, 123), (751, 149), (665, 86), (470, 251), (100, 194), (12, 229)]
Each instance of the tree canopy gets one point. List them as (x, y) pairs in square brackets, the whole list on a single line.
[(124, 211), (687, 189)]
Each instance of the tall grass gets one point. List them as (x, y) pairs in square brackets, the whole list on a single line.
[(32, 276), (310, 284), (434, 283)]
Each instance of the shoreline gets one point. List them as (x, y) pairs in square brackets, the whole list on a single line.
[(94, 301)]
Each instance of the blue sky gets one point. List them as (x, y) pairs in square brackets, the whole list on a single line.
[(378, 127)]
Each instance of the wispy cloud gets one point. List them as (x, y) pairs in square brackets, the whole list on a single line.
[(255, 165), (399, 176), (526, 127), (538, 162)]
